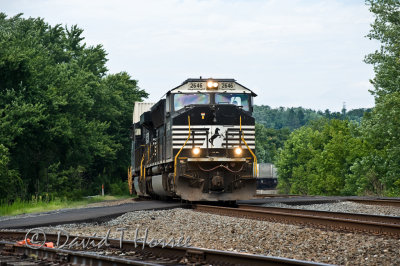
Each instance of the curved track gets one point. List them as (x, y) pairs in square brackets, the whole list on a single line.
[(374, 224), (382, 202)]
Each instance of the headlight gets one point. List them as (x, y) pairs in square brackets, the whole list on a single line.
[(238, 151), (196, 151), (212, 84)]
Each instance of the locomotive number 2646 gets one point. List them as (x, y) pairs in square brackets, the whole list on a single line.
[(196, 85)]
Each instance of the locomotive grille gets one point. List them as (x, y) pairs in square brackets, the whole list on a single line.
[(228, 138)]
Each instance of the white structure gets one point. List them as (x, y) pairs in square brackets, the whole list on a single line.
[(139, 109), (266, 170)]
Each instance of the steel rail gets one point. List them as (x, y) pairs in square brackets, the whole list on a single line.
[(65, 256), (383, 202), (388, 198), (341, 215), (373, 201), (174, 255), (277, 196), (340, 224)]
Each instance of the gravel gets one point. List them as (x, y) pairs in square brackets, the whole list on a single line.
[(250, 236), (344, 206)]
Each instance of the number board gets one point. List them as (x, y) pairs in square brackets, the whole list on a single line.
[(197, 85), (203, 85), (227, 85)]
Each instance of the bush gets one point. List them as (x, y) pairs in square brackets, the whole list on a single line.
[(120, 188)]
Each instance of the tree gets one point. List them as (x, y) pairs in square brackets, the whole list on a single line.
[(295, 117), (63, 119), (293, 173), (292, 119), (268, 142), (379, 171), (386, 29), (10, 181), (316, 159), (341, 158)]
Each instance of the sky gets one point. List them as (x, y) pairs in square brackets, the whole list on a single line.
[(291, 53)]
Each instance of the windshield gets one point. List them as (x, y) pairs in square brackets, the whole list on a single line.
[(181, 100), (239, 99)]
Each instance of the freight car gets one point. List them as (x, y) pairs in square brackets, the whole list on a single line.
[(197, 143), (267, 176)]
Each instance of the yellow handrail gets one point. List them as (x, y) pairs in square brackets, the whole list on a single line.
[(254, 156), (176, 156), (141, 167), (130, 179), (148, 160)]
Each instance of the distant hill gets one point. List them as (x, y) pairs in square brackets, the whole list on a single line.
[(296, 117)]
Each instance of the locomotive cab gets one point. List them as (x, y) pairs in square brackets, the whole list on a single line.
[(198, 143)]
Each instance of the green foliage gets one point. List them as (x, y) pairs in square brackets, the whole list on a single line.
[(340, 158), (63, 119), (386, 29), (295, 117), (66, 182), (281, 117), (274, 126), (120, 188), (379, 171), (316, 159), (357, 114), (10, 181), (268, 142)]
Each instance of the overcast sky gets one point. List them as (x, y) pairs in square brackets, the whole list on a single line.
[(290, 52)]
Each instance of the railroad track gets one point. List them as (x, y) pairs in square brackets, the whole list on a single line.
[(276, 196), (373, 224), (382, 202), (137, 254), (395, 202)]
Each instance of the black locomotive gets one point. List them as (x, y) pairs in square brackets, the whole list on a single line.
[(197, 143)]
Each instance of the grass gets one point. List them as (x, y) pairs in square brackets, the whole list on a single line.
[(21, 207)]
